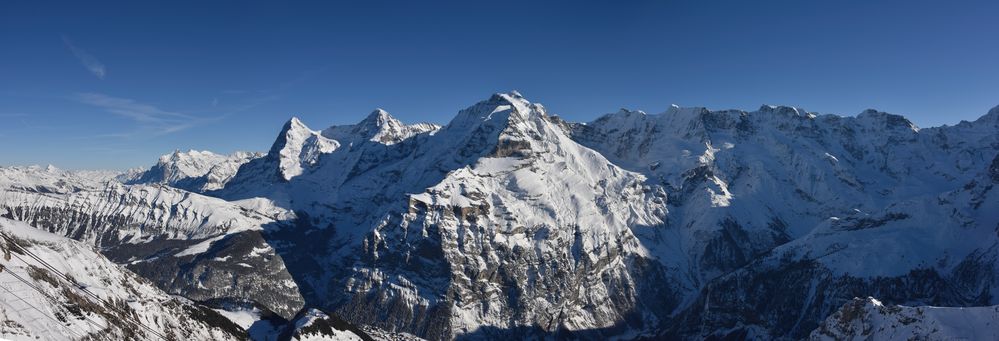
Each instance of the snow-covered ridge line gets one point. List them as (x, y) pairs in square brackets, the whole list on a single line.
[(197, 171), (120, 213), (379, 126)]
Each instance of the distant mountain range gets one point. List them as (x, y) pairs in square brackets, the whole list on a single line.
[(510, 222)]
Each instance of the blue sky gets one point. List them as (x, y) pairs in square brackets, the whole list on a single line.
[(115, 84)]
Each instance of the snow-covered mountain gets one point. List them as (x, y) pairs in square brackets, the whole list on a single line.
[(196, 171), (430, 232), (511, 222), (869, 319)]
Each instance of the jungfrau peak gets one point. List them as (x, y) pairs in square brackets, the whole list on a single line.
[(510, 222)]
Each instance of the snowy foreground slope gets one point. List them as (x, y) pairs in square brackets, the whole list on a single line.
[(57, 289), (160, 232), (869, 319), (509, 222)]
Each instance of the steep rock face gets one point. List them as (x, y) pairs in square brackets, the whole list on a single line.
[(60, 289), (869, 319), (151, 229), (994, 170)]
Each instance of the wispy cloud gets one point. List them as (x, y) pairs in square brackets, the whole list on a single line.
[(282, 86), (304, 76), (149, 118), (109, 150), (249, 99), (88, 60)]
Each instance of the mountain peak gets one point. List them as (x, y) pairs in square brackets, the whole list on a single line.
[(992, 116), (297, 145), (178, 155), (622, 119), (294, 123), (886, 120), (675, 110), (499, 110), (191, 170), (629, 112), (379, 115), (291, 129), (783, 110), (379, 126), (377, 121)]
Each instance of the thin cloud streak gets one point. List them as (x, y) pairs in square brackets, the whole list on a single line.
[(130, 108), (88, 60), (149, 118), (264, 95)]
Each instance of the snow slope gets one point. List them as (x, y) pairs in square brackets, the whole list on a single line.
[(59, 289)]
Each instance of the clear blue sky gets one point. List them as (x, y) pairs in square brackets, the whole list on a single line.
[(114, 85)]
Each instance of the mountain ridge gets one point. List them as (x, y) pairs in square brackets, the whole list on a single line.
[(511, 222)]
